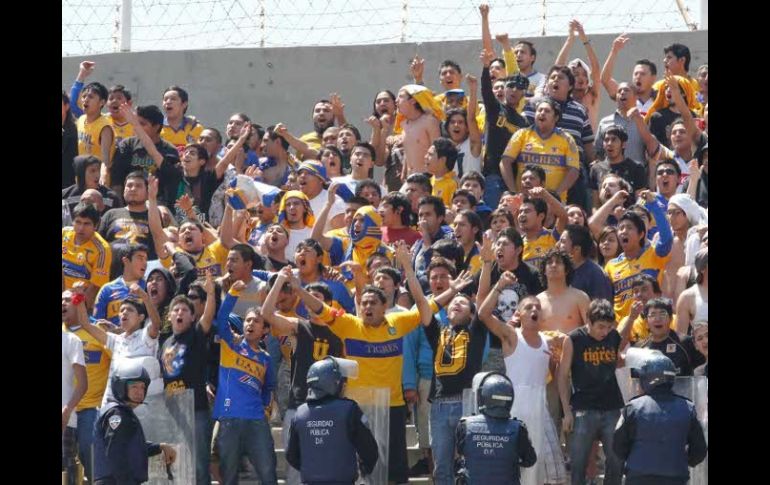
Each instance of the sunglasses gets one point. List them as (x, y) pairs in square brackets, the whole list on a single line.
[(194, 296), (515, 85), (666, 171)]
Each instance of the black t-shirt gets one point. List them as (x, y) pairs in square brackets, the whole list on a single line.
[(528, 283), (633, 172), (200, 189), (660, 125), (672, 348), (502, 122), (594, 386), (131, 155), (120, 227), (314, 342), (183, 361), (458, 353)]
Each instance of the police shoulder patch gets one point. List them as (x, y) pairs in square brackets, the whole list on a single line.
[(114, 422)]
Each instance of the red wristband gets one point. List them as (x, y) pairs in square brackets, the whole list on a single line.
[(78, 299)]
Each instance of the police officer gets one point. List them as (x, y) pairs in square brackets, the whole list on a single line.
[(120, 450), (658, 433), (328, 431), (492, 445)]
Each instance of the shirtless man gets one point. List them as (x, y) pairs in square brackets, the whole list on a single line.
[(527, 365), (693, 303), (564, 307), (420, 127)]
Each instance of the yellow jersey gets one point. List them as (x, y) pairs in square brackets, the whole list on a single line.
[(121, 131), (622, 271), (444, 188), (187, 133), (89, 262), (313, 140), (97, 359), (535, 251), (213, 256), (694, 85), (89, 133), (379, 351), (556, 154)]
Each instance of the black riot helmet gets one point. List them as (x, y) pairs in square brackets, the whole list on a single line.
[(128, 371), (495, 395), (657, 371), (324, 378)]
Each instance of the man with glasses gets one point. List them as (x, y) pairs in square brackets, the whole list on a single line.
[(667, 175), (658, 313), (502, 121)]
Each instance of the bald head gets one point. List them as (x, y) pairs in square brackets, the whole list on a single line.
[(93, 196)]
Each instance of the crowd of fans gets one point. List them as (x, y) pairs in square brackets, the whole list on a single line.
[(512, 230)]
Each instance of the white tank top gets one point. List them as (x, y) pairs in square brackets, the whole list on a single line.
[(469, 162), (527, 365), (701, 306)]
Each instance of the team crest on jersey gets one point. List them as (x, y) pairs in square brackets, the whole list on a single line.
[(528, 146), (392, 330), (114, 422), (554, 149), (244, 351)]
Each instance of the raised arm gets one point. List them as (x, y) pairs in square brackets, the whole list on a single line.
[(609, 83), (692, 182), (96, 332), (320, 222), (487, 259), (561, 58), (592, 59), (474, 135), (106, 137), (599, 219), (298, 145), (86, 69), (129, 114), (417, 69), (211, 303), (455, 286), (221, 167), (152, 312), (652, 145), (377, 140), (359, 279), (684, 110), (486, 36), (627, 323), (554, 205), (338, 108), (403, 258), (491, 104), (511, 66), (227, 237), (159, 237), (505, 333), (665, 236), (281, 324)]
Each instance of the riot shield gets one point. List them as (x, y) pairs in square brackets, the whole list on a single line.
[(375, 403), (171, 419)]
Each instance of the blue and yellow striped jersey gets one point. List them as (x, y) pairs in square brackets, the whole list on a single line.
[(88, 262), (110, 297), (535, 251)]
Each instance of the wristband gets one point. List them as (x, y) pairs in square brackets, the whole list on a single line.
[(78, 299)]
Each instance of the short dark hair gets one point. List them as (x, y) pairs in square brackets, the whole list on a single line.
[(138, 305), (451, 250), (312, 244), (390, 272), (455, 112), (467, 194), (537, 170), (474, 175), (368, 183), (669, 162), (642, 278), (373, 289), (183, 300), (446, 149), (217, 134), (474, 220), (181, 92), (513, 236), (660, 303), (86, 211), (374, 256), (580, 237), (600, 310), (321, 288), (452, 64), (348, 126), (679, 50), (555, 105), (97, 88), (119, 88), (637, 221), (436, 202), (553, 253), (137, 174), (649, 64), (152, 114), (564, 70), (134, 248), (539, 204), (275, 136), (202, 152), (247, 254), (503, 213), (367, 145), (528, 44), (441, 262), (498, 59), (421, 179), (358, 200), (399, 200), (618, 131)]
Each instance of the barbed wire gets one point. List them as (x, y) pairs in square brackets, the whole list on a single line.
[(93, 27)]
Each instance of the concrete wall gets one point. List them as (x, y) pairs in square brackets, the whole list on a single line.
[(281, 84)]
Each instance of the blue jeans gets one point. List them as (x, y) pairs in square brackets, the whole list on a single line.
[(250, 437), (590, 425), (202, 446), (494, 186), (444, 416), (86, 423)]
